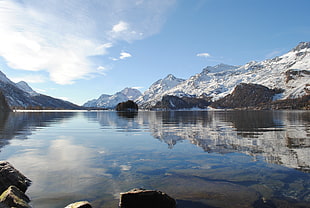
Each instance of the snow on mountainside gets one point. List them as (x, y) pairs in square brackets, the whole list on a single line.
[(158, 89), (21, 95), (25, 87), (291, 72), (110, 101)]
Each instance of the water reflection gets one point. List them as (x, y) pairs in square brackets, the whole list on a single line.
[(281, 137), (21, 125), (96, 155)]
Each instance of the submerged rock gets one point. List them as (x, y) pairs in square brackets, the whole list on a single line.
[(141, 198), (80, 204), (9, 176)]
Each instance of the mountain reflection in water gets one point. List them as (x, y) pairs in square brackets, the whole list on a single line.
[(282, 138), (212, 158)]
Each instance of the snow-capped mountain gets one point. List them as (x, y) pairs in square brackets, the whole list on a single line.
[(21, 95), (290, 72), (110, 101), (158, 89), (25, 87)]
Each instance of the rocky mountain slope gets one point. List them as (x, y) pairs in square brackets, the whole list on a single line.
[(157, 90), (111, 101), (20, 95), (246, 95), (4, 107), (289, 72)]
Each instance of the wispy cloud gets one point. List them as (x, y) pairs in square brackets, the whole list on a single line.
[(206, 55), (59, 37), (123, 55), (137, 88), (274, 53)]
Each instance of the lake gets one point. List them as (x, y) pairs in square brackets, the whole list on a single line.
[(200, 158)]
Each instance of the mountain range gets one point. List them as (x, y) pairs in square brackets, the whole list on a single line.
[(111, 101), (20, 95), (289, 72), (287, 76), (281, 78)]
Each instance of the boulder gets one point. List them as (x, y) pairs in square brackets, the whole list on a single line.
[(141, 198), (13, 197), (9, 176), (80, 204)]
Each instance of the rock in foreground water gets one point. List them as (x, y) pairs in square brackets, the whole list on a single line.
[(13, 197), (9, 176), (80, 204), (141, 198)]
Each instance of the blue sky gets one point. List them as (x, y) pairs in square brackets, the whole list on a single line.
[(78, 50)]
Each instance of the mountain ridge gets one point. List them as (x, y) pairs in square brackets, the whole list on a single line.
[(290, 72), (111, 101), (21, 96)]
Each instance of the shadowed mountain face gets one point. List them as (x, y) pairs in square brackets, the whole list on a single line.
[(20, 95), (4, 107)]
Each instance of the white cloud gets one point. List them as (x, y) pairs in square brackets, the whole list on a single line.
[(120, 27), (40, 90), (206, 55), (59, 37), (137, 88), (124, 55), (102, 68)]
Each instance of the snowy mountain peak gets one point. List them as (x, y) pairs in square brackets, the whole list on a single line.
[(131, 93), (110, 101), (159, 87), (289, 72), (301, 46), (170, 77), (218, 68), (26, 88), (3, 78)]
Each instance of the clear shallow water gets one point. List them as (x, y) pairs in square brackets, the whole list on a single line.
[(202, 159)]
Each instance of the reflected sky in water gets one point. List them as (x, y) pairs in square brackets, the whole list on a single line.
[(203, 159)]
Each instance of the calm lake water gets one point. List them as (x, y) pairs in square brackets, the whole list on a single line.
[(202, 159)]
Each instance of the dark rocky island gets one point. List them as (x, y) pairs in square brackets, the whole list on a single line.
[(128, 106)]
